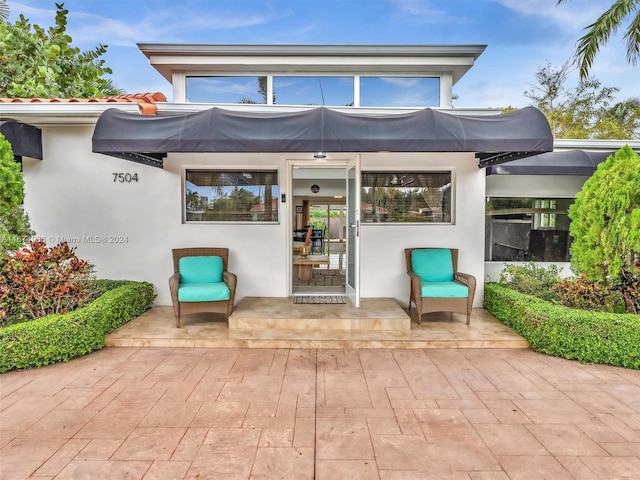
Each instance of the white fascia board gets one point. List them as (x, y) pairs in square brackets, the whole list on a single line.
[(167, 109), (61, 113), (319, 59), (457, 67), (585, 144), (309, 50)]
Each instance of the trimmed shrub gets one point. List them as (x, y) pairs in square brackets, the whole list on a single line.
[(605, 226), (58, 338), (531, 279), (589, 337)]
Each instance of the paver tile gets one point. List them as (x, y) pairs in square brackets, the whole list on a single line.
[(388, 414), (565, 440)]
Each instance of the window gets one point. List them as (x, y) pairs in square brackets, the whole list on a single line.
[(328, 90), (313, 90), (249, 89), (231, 196), (400, 91), (545, 213), (524, 229), (421, 197)]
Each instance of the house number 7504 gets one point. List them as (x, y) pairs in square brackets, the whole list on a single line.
[(125, 177)]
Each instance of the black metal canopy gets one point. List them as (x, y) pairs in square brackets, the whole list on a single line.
[(495, 138), (569, 162), (25, 140)]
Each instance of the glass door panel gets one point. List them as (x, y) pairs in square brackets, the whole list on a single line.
[(353, 233)]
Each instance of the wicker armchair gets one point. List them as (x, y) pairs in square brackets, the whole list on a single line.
[(457, 289), (181, 308)]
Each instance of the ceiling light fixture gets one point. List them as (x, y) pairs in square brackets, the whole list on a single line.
[(320, 155)]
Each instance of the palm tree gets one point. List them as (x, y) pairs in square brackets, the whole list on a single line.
[(598, 34), (4, 9), (627, 115)]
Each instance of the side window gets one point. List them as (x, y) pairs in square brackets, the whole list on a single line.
[(418, 197), (527, 229), (230, 196)]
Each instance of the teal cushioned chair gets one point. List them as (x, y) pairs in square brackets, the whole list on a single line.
[(436, 284), (201, 282)]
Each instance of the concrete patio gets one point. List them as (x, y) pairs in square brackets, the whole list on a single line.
[(279, 323), (235, 413)]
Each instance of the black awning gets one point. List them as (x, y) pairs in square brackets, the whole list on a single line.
[(320, 129), (569, 162), (524, 132), (25, 140)]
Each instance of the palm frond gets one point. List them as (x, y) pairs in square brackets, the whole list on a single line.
[(4, 9), (598, 34), (632, 36)]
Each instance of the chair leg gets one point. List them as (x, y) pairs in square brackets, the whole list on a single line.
[(178, 318)]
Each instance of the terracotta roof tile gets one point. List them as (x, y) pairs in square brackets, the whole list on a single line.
[(146, 101)]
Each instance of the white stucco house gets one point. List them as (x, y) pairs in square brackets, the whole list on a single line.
[(257, 136)]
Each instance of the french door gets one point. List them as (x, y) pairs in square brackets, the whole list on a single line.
[(352, 286)]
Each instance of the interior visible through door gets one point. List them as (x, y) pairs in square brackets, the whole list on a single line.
[(319, 231)]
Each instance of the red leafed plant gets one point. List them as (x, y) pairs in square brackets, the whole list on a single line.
[(37, 281)]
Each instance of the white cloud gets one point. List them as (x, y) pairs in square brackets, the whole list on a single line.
[(421, 11), (574, 15), (172, 24)]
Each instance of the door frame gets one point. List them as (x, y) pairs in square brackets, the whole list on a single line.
[(291, 165)]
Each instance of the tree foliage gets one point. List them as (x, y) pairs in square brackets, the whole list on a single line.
[(599, 32), (42, 63), (14, 223), (605, 226), (587, 111)]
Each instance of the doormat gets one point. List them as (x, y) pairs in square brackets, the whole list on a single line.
[(317, 299)]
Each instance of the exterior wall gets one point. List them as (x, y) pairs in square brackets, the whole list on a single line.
[(530, 185), (383, 270), (127, 230)]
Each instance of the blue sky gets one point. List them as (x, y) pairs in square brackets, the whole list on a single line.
[(520, 35)]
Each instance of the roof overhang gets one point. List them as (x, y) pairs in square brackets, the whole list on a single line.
[(171, 58), (561, 162), (139, 137), (25, 140)]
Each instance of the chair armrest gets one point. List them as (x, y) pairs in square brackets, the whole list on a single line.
[(231, 280), (466, 278), (174, 284), (469, 280), (416, 285)]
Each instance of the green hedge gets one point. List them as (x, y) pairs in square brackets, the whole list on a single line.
[(57, 338), (589, 337)]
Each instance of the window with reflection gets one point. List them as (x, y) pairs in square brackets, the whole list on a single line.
[(419, 197), (226, 89), (231, 196), (313, 90), (527, 229), (400, 91)]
